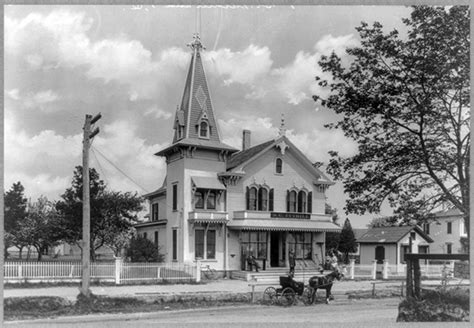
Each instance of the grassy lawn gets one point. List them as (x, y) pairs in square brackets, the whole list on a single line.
[(24, 308)]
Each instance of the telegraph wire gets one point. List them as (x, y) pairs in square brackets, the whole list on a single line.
[(118, 169)]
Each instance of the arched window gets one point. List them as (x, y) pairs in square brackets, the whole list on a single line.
[(301, 202), (253, 199), (292, 201), (198, 199), (279, 166), (204, 133), (262, 199)]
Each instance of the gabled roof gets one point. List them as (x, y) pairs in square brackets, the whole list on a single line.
[(390, 235), (248, 155), (359, 232), (244, 155), (452, 212)]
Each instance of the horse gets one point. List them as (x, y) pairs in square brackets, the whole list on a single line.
[(324, 282)]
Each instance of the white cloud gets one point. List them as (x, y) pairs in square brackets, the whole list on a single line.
[(41, 100), (44, 163), (13, 94), (60, 39), (315, 144), (244, 67), (338, 44), (158, 113), (296, 81)]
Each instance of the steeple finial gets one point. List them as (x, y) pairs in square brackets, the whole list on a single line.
[(196, 44), (282, 131)]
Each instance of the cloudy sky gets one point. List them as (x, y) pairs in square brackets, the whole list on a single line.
[(129, 63)]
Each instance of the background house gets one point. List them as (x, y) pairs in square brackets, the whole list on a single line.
[(392, 243), (446, 230)]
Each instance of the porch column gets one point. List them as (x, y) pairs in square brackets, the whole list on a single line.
[(226, 249), (287, 262)]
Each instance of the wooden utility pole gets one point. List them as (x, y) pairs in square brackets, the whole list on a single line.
[(86, 210)]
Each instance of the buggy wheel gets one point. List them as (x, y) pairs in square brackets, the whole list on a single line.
[(307, 296), (269, 295), (287, 296)]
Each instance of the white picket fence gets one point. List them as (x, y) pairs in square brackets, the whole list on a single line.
[(118, 272), (391, 271)]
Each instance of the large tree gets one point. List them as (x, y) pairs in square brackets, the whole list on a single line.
[(347, 241), (404, 98), (41, 228), (112, 213), (15, 212)]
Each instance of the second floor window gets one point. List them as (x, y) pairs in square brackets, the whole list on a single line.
[(205, 199), (154, 212), (175, 197), (450, 227), (198, 199), (259, 199), (300, 201), (449, 248), (426, 228), (211, 200)]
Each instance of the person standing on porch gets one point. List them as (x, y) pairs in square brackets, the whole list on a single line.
[(292, 261)]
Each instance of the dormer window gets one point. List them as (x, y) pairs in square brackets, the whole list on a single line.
[(203, 130), (180, 132)]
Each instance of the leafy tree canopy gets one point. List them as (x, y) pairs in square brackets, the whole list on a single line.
[(405, 101), (42, 227), (15, 207), (347, 241), (112, 213)]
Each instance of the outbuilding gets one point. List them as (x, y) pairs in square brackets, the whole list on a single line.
[(392, 243)]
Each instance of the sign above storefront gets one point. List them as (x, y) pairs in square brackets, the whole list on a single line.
[(285, 215)]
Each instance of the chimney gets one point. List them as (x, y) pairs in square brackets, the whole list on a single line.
[(245, 139)]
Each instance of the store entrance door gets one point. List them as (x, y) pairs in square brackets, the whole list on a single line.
[(275, 248)]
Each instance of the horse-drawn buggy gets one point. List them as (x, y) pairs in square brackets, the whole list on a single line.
[(290, 291)]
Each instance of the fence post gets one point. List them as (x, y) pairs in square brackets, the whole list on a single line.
[(374, 269), (385, 270), (118, 269), (20, 272), (198, 271), (351, 268)]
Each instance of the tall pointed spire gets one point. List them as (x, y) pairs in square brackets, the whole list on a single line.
[(199, 121)]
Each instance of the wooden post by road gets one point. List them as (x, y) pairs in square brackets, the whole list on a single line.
[(409, 279), (417, 277), (86, 215)]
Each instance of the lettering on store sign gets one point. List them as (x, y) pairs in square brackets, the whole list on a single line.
[(284, 215)]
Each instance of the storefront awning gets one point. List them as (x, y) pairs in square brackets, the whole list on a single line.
[(208, 183), (283, 225)]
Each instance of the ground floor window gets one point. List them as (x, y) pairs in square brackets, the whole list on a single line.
[(205, 244), (405, 250), (175, 244), (254, 243), (301, 244)]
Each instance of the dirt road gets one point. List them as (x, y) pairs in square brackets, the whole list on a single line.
[(367, 312)]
